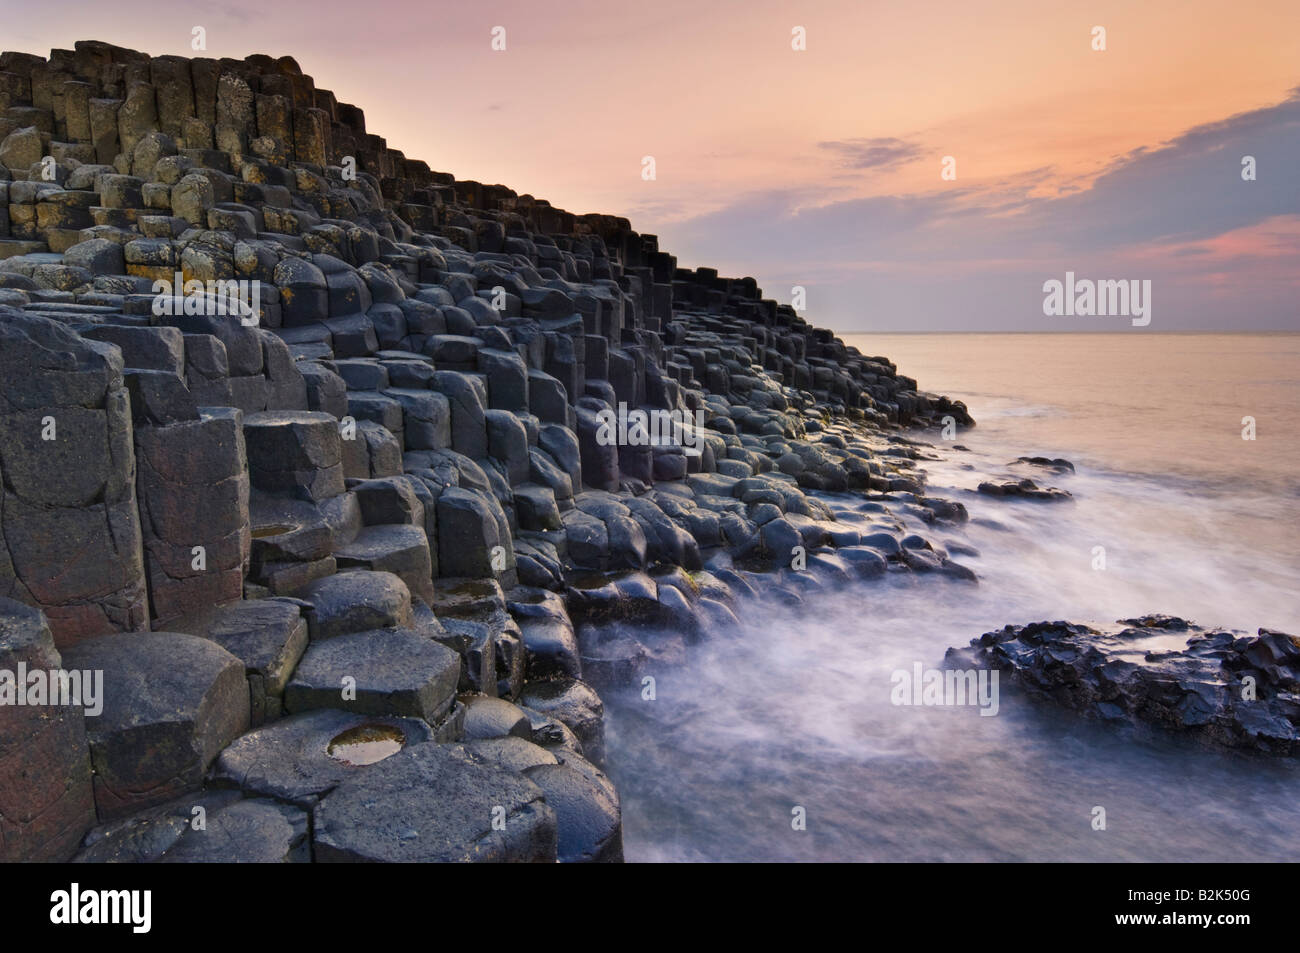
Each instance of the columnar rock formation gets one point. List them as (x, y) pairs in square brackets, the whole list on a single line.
[(343, 490)]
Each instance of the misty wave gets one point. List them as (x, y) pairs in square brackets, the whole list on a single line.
[(793, 711)]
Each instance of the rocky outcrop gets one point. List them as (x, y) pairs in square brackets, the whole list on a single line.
[(1158, 674), (1024, 488), (377, 453), (70, 541), (171, 703), (482, 812), (46, 803)]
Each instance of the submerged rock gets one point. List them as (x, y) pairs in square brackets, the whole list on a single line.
[(1057, 465), (1222, 687), (1024, 489)]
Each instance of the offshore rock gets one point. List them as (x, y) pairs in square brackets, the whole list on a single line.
[(1158, 674)]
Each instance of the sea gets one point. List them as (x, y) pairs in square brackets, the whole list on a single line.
[(779, 741)]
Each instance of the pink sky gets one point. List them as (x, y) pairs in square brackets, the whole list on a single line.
[(821, 167)]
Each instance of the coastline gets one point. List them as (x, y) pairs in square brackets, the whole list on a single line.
[(790, 711), (359, 574), (343, 519)]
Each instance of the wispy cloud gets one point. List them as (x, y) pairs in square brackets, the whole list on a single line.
[(972, 255), (880, 153)]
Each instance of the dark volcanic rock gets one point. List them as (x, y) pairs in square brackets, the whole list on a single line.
[(302, 758), (246, 832), (69, 529), (482, 812), (354, 602), (46, 803), (487, 717), (576, 705), (295, 451), (380, 399), (379, 672), (1224, 688), (269, 637), (1024, 489), (193, 486), (171, 703), (1057, 465), (586, 813), (207, 827), (511, 752)]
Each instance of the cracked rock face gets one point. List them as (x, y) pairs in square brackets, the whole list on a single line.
[(172, 702), (1158, 673), (301, 758), (46, 804), (69, 526), (363, 443), (386, 814)]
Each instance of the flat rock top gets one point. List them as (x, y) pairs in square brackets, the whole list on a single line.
[(291, 759), (151, 676), (288, 418), (434, 803)]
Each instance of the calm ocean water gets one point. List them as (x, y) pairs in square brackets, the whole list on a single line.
[(1164, 405), (794, 711)]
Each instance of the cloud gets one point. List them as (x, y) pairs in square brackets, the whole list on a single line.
[(881, 153), (1190, 187), (973, 256)]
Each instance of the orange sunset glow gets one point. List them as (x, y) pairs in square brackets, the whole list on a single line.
[(821, 166)]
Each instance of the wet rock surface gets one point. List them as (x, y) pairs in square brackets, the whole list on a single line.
[(377, 672), (482, 812), (1024, 489), (301, 758), (406, 460), (587, 814), (1158, 674), (210, 827)]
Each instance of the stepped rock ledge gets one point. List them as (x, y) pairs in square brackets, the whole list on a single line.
[(306, 450)]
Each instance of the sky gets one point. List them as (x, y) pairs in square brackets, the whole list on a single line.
[(822, 167)]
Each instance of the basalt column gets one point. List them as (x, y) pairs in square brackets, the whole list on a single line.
[(69, 526)]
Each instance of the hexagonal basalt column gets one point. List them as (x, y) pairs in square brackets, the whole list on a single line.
[(295, 452), (433, 803), (69, 527), (379, 672), (171, 703), (46, 803)]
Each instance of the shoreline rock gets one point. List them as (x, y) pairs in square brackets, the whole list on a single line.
[(1158, 674), (374, 500)]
